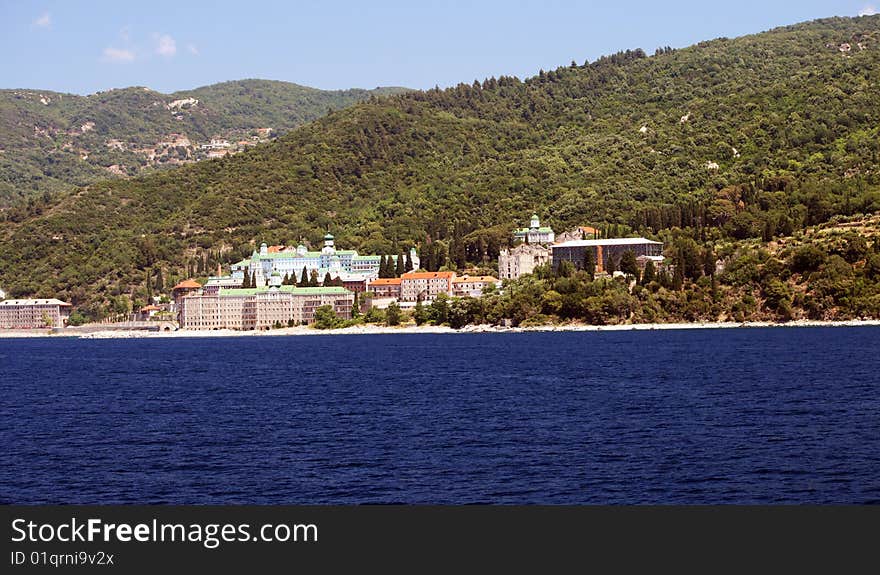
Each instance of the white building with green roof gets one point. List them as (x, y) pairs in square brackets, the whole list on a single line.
[(535, 233), (290, 262), (261, 308)]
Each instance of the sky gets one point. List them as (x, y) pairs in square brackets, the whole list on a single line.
[(85, 46)]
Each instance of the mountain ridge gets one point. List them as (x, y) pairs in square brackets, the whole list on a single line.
[(51, 140)]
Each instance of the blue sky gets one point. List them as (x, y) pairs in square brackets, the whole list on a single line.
[(83, 46)]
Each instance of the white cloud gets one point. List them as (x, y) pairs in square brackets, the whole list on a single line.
[(44, 21), (117, 55), (166, 46), (192, 49), (868, 10)]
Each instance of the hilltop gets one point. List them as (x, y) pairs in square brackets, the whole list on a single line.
[(51, 141), (730, 140)]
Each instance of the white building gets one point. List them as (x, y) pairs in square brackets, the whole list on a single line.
[(521, 260), (33, 313), (345, 264), (535, 233), (261, 308)]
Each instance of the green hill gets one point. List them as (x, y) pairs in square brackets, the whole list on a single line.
[(50, 141), (729, 139)]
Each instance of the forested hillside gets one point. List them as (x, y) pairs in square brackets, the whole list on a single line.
[(731, 139), (51, 142)]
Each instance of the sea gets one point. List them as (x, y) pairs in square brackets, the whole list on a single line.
[(716, 416)]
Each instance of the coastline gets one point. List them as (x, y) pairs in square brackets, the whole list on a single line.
[(411, 329)]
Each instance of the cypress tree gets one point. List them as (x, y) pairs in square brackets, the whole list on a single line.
[(254, 280), (328, 281), (246, 281), (408, 266), (649, 273), (399, 269), (149, 289), (313, 279), (628, 264), (611, 266), (590, 262), (304, 279), (678, 278), (355, 306), (286, 280), (160, 281)]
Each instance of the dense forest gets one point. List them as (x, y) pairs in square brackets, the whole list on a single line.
[(51, 142), (723, 148)]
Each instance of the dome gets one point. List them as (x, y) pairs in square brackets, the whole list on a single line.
[(328, 236)]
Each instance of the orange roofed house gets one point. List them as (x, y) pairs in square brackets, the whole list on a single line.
[(386, 287), (427, 285), (473, 286)]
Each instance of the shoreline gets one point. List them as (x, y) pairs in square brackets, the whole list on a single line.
[(411, 329)]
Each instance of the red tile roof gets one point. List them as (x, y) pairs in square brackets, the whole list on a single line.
[(427, 275), (187, 284), (386, 282)]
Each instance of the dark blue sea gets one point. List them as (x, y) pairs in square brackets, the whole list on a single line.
[(693, 416)]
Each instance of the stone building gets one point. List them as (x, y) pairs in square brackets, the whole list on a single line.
[(33, 313), (425, 285), (473, 286), (521, 260), (262, 308), (603, 250)]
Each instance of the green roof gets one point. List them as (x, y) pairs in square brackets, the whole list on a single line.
[(542, 229), (286, 289)]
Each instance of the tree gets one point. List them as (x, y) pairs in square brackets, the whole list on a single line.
[(327, 280), (356, 306), (420, 314), (611, 266), (325, 318), (628, 264), (254, 280), (408, 266), (440, 309), (246, 281), (649, 274), (590, 262), (400, 267), (160, 281), (304, 278), (313, 279), (678, 278), (392, 314), (286, 280)]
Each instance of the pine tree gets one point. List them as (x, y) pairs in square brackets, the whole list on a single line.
[(408, 267), (304, 278), (313, 279), (246, 282), (399, 268), (254, 280), (420, 314), (286, 280), (328, 281)]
